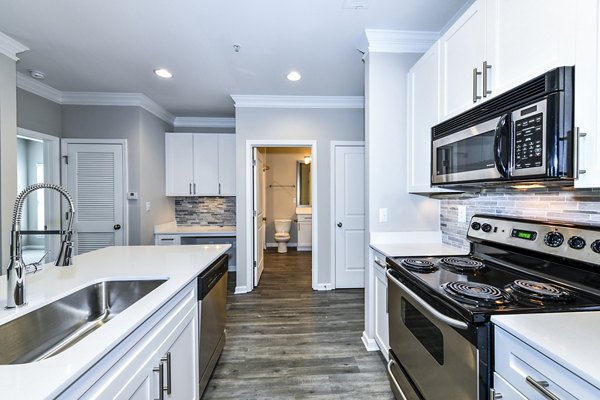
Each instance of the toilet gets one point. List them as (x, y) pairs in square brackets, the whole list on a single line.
[(282, 234)]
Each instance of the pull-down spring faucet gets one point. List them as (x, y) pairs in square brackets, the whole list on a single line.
[(16, 270)]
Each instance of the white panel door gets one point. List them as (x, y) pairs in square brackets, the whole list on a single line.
[(226, 164), (521, 42), (350, 216), (179, 163), (95, 181), (206, 165), (259, 213), (462, 49)]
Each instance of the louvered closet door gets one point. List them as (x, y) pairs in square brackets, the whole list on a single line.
[(95, 180)]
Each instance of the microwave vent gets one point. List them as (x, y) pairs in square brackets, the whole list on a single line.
[(528, 91)]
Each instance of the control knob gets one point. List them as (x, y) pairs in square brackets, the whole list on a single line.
[(596, 246), (486, 228), (576, 242), (476, 226), (554, 239)]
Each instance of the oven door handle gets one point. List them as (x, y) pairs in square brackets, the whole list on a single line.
[(501, 139), (389, 368), (441, 317)]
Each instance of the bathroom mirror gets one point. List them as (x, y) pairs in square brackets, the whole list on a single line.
[(303, 194)]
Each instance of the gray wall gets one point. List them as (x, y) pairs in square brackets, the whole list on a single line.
[(386, 148), (573, 206), (322, 125), (38, 114), (8, 151), (145, 144)]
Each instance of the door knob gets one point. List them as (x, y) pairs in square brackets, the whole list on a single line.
[(117, 227), (339, 224)]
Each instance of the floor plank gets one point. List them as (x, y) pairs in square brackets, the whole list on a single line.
[(286, 341)]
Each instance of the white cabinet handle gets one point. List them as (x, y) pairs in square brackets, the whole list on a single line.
[(382, 264)]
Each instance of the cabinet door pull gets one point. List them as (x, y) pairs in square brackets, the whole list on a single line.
[(541, 386), (190, 188), (576, 137), (486, 89), (219, 188), (161, 383), (167, 359), (475, 75)]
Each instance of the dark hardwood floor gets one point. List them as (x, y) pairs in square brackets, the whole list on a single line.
[(286, 341)]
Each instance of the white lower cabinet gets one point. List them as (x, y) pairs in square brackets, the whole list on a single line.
[(304, 232), (380, 297), (522, 372), (166, 344)]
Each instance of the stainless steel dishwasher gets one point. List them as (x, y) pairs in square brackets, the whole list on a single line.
[(212, 297)]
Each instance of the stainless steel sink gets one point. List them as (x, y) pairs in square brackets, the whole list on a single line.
[(59, 325)]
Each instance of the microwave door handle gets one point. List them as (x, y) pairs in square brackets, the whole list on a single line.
[(501, 138)]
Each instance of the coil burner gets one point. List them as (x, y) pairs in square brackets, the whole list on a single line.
[(419, 265), (477, 294), (461, 265), (539, 292)]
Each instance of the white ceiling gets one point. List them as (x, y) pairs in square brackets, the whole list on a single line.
[(114, 45)]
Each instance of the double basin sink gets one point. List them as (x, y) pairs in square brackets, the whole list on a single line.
[(55, 327)]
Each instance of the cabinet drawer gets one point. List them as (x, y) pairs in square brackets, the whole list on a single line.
[(304, 218), (167, 240), (515, 361)]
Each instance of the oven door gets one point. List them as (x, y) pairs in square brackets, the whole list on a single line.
[(477, 154), (438, 361)]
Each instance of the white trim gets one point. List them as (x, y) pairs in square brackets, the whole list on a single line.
[(370, 344), (250, 144), (203, 122), (259, 101), (273, 244), (332, 145), (241, 290), (123, 142), (38, 88), (10, 47), (390, 41)]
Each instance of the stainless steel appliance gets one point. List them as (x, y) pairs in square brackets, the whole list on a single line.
[(212, 295), (440, 307), (523, 135)]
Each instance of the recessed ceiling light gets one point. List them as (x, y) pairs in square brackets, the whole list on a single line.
[(37, 74), (163, 73), (294, 76)]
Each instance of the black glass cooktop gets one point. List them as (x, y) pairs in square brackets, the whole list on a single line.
[(477, 288)]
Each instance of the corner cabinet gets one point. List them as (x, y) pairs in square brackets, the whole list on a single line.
[(200, 164), (157, 360)]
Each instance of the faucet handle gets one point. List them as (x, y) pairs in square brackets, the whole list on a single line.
[(36, 265)]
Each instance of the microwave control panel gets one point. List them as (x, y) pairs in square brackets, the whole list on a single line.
[(529, 142)]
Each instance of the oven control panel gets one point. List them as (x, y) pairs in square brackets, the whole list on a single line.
[(577, 242)]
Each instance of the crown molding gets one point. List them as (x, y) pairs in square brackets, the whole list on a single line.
[(203, 122), (38, 88), (388, 41), (10, 47), (258, 101)]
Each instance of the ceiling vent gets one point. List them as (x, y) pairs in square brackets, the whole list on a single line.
[(355, 4)]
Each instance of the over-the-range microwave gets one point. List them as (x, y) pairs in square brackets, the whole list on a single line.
[(523, 135)]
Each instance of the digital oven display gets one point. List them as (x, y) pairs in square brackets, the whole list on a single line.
[(521, 234)]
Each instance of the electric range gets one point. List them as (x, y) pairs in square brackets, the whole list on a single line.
[(440, 307)]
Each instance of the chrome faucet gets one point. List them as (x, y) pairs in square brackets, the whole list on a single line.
[(16, 270)]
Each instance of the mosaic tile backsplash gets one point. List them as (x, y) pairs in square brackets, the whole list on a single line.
[(205, 210), (576, 206)]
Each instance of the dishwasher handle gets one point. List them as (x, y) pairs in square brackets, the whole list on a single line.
[(211, 276)]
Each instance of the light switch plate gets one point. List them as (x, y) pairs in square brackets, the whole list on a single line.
[(132, 195), (383, 215)]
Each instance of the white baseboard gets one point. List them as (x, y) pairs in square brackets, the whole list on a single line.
[(324, 286), (304, 248), (275, 244), (370, 344), (241, 289)]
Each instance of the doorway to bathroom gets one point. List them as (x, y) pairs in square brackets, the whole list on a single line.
[(282, 206)]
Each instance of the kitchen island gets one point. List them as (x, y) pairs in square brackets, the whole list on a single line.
[(111, 357)]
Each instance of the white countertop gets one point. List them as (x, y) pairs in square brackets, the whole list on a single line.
[(567, 338), (47, 378), (410, 244), (303, 210), (173, 229)]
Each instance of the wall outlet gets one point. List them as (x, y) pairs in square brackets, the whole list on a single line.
[(462, 213), (132, 195), (147, 206), (383, 215)]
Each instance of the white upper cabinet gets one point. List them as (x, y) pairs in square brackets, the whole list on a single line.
[(200, 164), (463, 51), (423, 113), (527, 38)]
